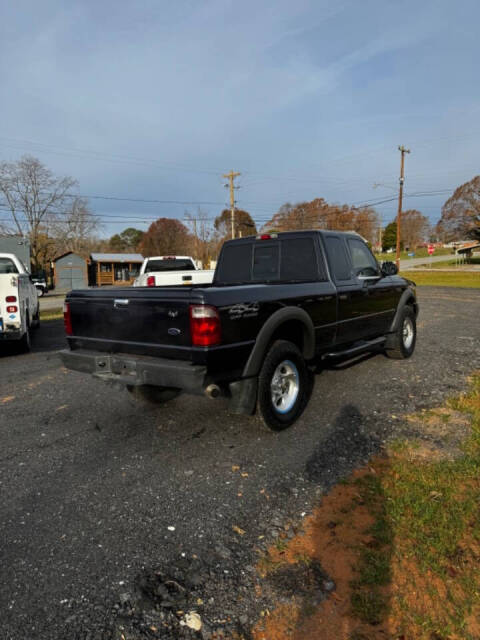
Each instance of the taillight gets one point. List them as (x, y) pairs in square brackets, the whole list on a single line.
[(151, 281), (11, 299), (205, 326), (67, 319), (12, 309)]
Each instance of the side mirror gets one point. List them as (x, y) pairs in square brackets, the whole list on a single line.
[(389, 269)]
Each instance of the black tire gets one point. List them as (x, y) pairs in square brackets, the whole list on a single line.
[(289, 403), (36, 319), (25, 344), (149, 394), (401, 344)]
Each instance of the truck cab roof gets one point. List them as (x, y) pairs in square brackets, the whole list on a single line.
[(273, 235)]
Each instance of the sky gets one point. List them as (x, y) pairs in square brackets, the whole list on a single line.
[(155, 100)]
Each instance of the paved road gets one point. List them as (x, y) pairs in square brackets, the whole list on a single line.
[(407, 263), (96, 491)]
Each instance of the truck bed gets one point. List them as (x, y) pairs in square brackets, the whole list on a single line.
[(137, 320)]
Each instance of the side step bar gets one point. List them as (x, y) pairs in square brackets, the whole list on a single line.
[(359, 347)]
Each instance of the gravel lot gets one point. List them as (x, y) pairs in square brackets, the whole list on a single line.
[(109, 509)]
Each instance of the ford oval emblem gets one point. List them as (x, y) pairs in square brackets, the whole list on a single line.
[(173, 331)]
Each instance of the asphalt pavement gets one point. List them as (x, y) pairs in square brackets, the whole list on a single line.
[(102, 498), (408, 263)]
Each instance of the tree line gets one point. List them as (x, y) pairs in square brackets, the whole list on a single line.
[(44, 207)]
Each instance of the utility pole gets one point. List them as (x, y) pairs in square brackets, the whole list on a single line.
[(231, 177), (196, 238), (403, 151)]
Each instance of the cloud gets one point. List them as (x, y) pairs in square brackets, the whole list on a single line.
[(273, 88)]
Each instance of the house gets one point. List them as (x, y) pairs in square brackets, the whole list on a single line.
[(118, 269)]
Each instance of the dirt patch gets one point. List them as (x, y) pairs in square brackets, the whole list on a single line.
[(439, 434), (332, 538)]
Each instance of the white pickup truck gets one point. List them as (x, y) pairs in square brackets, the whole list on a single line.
[(162, 271), (19, 306)]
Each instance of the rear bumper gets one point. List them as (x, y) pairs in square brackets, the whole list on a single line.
[(10, 335), (137, 370)]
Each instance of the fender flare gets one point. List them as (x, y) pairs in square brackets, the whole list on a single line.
[(255, 360), (406, 297)]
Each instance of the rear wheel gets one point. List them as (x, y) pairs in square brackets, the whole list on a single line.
[(149, 394), (284, 385), (25, 341), (401, 344), (36, 319)]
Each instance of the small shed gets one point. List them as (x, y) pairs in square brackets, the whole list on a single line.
[(118, 269), (70, 272)]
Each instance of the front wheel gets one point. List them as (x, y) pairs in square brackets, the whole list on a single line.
[(284, 386), (149, 394), (401, 344)]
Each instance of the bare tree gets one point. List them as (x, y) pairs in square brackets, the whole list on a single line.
[(204, 237), (32, 192), (415, 228), (74, 228)]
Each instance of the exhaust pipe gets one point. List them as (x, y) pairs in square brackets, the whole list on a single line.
[(213, 391)]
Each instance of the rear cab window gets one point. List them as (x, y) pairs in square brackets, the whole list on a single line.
[(7, 266), (293, 259), (169, 264), (266, 261)]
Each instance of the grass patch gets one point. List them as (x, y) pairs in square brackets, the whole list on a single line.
[(51, 314), (369, 606), (427, 528), (444, 278), (368, 598), (419, 573)]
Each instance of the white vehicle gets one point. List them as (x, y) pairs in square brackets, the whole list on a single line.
[(19, 306), (162, 271)]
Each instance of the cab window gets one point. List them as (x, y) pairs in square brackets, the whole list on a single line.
[(364, 263)]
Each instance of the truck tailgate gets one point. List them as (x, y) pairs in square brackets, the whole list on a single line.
[(135, 320)]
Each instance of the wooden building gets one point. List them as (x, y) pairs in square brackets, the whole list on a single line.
[(118, 269)]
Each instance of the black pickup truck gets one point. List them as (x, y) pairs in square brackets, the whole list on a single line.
[(277, 306)]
